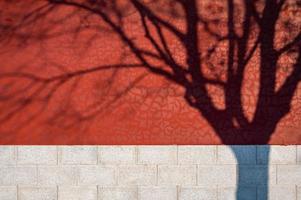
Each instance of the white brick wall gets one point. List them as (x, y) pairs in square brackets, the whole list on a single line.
[(149, 172)]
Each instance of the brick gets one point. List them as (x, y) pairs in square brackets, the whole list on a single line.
[(289, 174), (177, 175), (46, 155), (252, 175), (231, 193), (7, 155), (236, 154), (212, 175), (57, 175), (277, 193), (117, 154), (197, 193), (78, 154), (35, 193), (117, 193), (97, 175), (158, 193), (276, 154), (77, 193), (12, 175), (142, 175), (8, 193), (197, 154), (157, 154)]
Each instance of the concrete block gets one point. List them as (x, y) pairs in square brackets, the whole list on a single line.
[(97, 175), (77, 193), (78, 154), (142, 175), (197, 193), (12, 175), (213, 175), (42, 155), (177, 174), (37, 193), (7, 175), (8, 192), (277, 193), (117, 193), (289, 175), (197, 154), (7, 155), (157, 154), (299, 154), (57, 175), (298, 193), (158, 193), (117, 154)]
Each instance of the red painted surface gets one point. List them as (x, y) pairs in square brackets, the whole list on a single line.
[(123, 106)]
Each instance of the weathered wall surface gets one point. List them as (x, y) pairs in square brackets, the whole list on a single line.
[(67, 77), (146, 172)]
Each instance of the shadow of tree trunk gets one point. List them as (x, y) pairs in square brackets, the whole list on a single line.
[(247, 178)]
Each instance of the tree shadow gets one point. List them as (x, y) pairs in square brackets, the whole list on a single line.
[(252, 181), (222, 43)]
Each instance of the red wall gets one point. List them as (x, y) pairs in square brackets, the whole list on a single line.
[(116, 106)]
